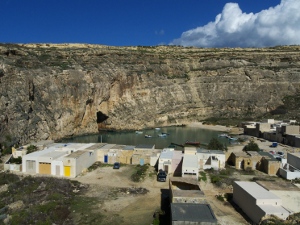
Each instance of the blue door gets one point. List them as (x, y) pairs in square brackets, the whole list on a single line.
[(141, 162), (106, 158)]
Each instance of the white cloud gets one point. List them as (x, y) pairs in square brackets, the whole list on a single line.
[(279, 25)]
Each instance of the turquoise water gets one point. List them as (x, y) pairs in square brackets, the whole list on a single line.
[(178, 135)]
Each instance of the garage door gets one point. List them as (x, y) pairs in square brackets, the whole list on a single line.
[(67, 171), (45, 168)]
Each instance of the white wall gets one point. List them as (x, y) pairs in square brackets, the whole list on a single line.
[(59, 163)]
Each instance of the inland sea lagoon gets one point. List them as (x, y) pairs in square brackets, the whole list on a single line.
[(177, 135)]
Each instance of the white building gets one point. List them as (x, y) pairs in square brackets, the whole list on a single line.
[(257, 202), (190, 166), (170, 160), (211, 159), (290, 167), (165, 160), (60, 159)]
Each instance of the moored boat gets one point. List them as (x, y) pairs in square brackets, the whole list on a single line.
[(148, 136), (138, 132), (195, 143), (223, 135)]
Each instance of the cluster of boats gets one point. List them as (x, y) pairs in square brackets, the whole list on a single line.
[(162, 135), (228, 137), (159, 135), (150, 136)]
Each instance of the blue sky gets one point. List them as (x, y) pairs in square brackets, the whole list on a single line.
[(132, 22)]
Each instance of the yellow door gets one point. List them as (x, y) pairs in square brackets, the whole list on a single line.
[(67, 171)]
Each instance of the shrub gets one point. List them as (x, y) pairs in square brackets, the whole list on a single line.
[(251, 146), (16, 160), (31, 148), (202, 176), (215, 144), (139, 173), (7, 151)]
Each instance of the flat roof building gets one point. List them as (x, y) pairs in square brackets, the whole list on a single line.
[(257, 202), (190, 166), (189, 213)]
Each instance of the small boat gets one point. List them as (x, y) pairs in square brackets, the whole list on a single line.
[(148, 136), (138, 132), (223, 135), (162, 135), (165, 133), (195, 143), (157, 128), (232, 138)]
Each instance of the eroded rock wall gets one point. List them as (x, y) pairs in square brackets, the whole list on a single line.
[(54, 91)]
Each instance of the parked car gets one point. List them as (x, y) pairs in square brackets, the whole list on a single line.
[(280, 153), (116, 165), (274, 145), (162, 176)]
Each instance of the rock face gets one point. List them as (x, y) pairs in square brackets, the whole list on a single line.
[(54, 91)]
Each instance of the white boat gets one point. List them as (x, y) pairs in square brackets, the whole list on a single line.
[(138, 132), (162, 135), (222, 135), (157, 128), (148, 136), (232, 138)]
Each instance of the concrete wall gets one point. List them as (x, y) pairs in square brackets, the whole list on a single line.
[(55, 165), (297, 141), (124, 156), (290, 129), (289, 175), (294, 160), (247, 203), (270, 167), (211, 160), (80, 163)]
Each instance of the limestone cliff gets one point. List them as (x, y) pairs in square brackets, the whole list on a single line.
[(51, 91)]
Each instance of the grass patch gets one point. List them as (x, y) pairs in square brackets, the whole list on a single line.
[(7, 178), (221, 177), (202, 176), (41, 200), (140, 173)]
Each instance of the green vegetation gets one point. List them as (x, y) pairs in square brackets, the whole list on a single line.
[(31, 148), (139, 173), (48, 200), (16, 160), (251, 146), (219, 177), (8, 178), (97, 165), (215, 144), (202, 176)]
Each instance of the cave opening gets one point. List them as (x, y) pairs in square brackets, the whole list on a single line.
[(101, 117)]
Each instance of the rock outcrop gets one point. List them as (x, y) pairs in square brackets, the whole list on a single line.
[(52, 91)]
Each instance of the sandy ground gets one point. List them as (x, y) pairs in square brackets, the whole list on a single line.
[(230, 130), (139, 209), (132, 208)]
